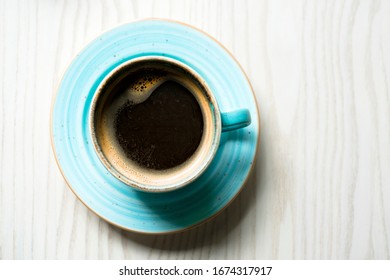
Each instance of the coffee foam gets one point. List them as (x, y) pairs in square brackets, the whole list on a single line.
[(143, 88), (137, 92)]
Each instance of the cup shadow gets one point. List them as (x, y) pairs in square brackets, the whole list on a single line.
[(175, 208), (212, 232)]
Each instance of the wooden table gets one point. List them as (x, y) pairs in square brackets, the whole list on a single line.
[(321, 186)]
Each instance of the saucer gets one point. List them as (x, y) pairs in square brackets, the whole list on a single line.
[(109, 198)]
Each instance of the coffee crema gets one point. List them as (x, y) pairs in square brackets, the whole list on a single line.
[(156, 120)]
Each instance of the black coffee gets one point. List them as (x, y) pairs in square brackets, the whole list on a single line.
[(162, 131)]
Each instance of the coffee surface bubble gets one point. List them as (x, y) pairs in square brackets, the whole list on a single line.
[(143, 85)]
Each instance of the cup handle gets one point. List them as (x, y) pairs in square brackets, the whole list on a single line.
[(235, 119)]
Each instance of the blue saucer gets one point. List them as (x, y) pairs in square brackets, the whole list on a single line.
[(108, 197)]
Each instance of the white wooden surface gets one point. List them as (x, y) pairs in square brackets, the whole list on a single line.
[(321, 186)]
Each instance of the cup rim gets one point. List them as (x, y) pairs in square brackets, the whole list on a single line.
[(217, 125)]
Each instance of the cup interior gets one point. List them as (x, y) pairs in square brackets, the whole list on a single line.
[(113, 91)]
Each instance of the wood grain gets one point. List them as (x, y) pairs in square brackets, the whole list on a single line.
[(321, 185)]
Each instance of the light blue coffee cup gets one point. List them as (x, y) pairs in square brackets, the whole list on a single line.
[(149, 180)]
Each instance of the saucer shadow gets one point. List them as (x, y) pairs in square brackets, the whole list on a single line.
[(207, 234)]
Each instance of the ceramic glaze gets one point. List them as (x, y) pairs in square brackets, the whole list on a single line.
[(97, 188)]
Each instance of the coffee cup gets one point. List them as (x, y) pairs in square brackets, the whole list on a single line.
[(156, 125)]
